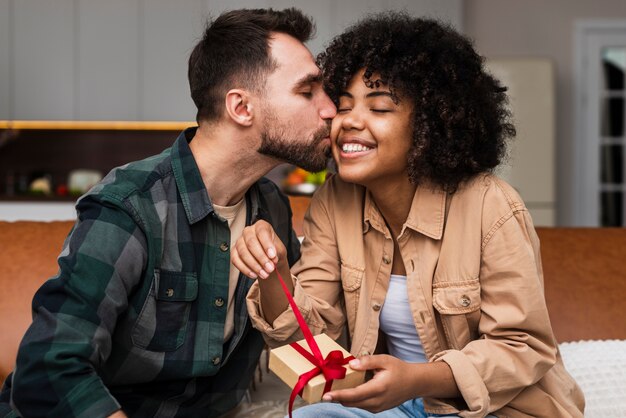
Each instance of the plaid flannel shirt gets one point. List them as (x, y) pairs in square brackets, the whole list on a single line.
[(135, 317)]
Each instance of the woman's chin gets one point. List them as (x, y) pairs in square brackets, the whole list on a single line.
[(352, 176)]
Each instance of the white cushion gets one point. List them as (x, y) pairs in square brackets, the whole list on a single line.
[(599, 368)]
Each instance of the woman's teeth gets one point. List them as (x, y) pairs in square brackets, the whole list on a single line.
[(354, 148)]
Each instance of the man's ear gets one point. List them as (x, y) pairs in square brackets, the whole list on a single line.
[(238, 107)]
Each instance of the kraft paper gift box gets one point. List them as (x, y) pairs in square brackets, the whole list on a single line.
[(289, 365)]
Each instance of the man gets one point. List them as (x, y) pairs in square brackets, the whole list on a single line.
[(147, 317)]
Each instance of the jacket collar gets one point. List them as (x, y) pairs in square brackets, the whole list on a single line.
[(426, 216)]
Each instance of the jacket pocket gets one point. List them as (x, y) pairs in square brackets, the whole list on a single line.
[(162, 322), (351, 278), (458, 305)]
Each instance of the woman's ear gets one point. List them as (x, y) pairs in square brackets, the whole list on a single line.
[(238, 107)]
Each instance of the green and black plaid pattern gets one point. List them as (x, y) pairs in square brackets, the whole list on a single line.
[(132, 319)]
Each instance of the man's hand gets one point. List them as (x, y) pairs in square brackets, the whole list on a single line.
[(395, 382), (259, 252), (118, 414)]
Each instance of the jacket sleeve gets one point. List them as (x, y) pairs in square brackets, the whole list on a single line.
[(74, 315), (515, 346), (316, 278)]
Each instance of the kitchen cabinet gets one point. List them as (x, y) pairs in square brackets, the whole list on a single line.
[(531, 164), (127, 59), (5, 61), (42, 57)]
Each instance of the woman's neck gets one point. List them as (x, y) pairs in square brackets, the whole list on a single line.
[(394, 200)]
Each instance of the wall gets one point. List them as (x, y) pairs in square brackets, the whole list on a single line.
[(513, 28)]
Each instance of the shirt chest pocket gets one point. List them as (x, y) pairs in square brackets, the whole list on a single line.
[(351, 278), (163, 320), (458, 305)]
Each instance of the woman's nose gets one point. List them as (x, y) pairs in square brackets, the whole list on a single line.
[(352, 120)]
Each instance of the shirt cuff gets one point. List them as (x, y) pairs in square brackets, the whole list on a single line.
[(285, 327), (88, 399), (469, 382)]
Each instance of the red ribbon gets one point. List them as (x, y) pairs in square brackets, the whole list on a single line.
[(331, 366)]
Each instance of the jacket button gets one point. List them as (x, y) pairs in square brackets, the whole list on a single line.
[(386, 259), (376, 307), (169, 293), (216, 361), (219, 302), (465, 301), (224, 246)]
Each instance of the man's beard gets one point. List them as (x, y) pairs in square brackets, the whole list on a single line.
[(278, 142)]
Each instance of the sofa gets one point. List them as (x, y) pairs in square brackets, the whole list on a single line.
[(585, 289)]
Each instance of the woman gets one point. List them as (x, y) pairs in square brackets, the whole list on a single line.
[(424, 253)]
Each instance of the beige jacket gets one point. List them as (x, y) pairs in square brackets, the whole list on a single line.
[(475, 288)]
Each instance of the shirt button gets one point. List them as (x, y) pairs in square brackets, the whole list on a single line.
[(365, 353), (219, 302), (169, 292), (216, 361), (465, 301), (386, 259), (376, 307), (224, 246)]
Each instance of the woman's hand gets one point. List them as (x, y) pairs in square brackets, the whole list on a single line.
[(395, 382), (258, 251), (390, 386)]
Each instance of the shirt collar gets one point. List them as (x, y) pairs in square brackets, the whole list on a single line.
[(193, 193), (426, 216), (191, 188)]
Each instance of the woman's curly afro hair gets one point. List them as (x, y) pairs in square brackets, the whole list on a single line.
[(461, 123)]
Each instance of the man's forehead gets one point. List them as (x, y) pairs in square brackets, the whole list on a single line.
[(293, 60)]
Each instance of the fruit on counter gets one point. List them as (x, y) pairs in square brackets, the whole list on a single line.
[(62, 190), (40, 186), (300, 176)]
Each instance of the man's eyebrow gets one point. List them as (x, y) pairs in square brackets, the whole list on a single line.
[(309, 79)]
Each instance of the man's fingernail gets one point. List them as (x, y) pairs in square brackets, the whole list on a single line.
[(271, 252), (252, 275), (263, 274), (327, 398), (269, 266), (355, 363)]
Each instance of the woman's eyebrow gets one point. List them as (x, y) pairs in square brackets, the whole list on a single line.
[(379, 93)]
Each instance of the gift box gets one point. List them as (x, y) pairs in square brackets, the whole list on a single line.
[(289, 365)]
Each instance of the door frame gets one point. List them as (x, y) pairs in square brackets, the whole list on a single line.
[(589, 36)]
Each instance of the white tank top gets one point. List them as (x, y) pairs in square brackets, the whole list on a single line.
[(396, 322)]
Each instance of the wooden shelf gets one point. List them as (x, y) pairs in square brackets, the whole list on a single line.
[(94, 125), (35, 198)]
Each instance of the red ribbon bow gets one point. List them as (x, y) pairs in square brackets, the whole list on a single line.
[(331, 366)]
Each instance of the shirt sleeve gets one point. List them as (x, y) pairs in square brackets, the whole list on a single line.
[(74, 316), (516, 346), (316, 278)]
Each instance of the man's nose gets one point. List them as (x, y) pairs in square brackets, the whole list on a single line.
[(328, 110)]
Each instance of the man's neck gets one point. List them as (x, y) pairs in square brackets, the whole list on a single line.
[(229, 163)]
